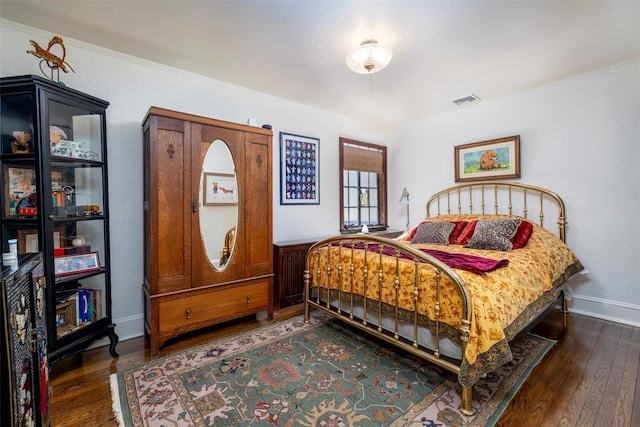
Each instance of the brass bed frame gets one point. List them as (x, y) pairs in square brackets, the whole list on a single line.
[(459, 199)]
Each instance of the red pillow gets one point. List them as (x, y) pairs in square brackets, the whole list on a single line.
[(457, 230), (467, 233), (522, 235)]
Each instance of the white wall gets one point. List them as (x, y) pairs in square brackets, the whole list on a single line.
[(131, 86), (579, 137)]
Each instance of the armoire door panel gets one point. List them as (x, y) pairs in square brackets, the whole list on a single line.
[(173, 220), (258, 203), (202, 136)]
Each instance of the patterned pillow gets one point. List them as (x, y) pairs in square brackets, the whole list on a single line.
[(413, 231), (433, 232), (494, 234)]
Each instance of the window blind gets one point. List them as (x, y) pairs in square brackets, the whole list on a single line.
[(362, 159)]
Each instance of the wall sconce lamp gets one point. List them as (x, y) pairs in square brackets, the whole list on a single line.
[(404, 200), (369, 58)]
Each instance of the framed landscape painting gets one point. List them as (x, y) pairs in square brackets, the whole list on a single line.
[(493, 159)]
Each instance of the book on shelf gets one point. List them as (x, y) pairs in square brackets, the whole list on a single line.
[(83, 305), (94, 304), (90, 310)]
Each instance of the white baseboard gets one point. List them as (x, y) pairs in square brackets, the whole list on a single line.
[(126, 328), (130, 327), (613, 311)]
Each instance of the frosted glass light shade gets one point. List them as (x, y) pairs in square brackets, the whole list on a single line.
[(369, 58), (404, 198)]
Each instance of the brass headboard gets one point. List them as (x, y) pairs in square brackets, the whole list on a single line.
[(225, 252), (491, 196)]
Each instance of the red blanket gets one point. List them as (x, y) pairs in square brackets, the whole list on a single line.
[(472, 263)]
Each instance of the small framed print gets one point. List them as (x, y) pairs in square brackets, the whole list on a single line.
[(219, 189), (56, 180), (299, 170), (74, 264), (28, 240), (65, 316), (493, 159)]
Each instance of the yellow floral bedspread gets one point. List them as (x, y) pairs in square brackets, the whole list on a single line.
[(503, 300)]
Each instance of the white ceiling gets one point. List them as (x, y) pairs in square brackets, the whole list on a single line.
[(296, 49)]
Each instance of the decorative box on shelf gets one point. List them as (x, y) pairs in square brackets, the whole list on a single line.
[(27, 211), (68, 211), (72, 250)]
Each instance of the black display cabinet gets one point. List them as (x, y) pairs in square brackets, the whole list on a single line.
[(53, 153)]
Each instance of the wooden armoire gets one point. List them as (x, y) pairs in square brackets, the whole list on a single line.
[(207, 223)]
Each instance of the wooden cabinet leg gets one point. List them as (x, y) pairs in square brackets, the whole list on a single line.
[(154, 345)]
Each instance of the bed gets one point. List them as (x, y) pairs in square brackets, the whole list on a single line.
[(460, 285)]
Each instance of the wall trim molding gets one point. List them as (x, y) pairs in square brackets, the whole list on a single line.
[(614, 311), (126, 328)]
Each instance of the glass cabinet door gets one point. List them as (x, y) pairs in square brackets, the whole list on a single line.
[(19, 177), (19, 165), (74, 203)]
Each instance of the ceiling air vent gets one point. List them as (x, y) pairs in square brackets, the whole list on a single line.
[(466, 99)]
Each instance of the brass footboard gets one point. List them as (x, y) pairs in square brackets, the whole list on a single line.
[(325, 290)]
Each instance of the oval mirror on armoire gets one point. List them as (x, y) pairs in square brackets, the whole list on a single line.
[(219, 204)]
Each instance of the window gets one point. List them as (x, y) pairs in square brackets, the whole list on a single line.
[(363, 168)]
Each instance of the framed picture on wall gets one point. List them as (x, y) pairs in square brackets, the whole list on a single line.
[(219, 189), (299, 170), (492, 159)]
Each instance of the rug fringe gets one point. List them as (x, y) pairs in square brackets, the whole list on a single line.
[(115, 400), (543, 338)]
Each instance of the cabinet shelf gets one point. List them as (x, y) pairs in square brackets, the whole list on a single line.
[(18, 158), (17, 220), (69, 161), (69, 278), (71, 333), (56, 220), (53, 154)]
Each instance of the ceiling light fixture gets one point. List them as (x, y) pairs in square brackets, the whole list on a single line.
[(369, 58)]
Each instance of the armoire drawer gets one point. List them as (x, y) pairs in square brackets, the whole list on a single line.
[(212, 307)]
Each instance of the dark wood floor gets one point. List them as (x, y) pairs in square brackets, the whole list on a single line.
[(590, 378)]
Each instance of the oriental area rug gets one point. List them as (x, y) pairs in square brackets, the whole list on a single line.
[(319, 374)]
